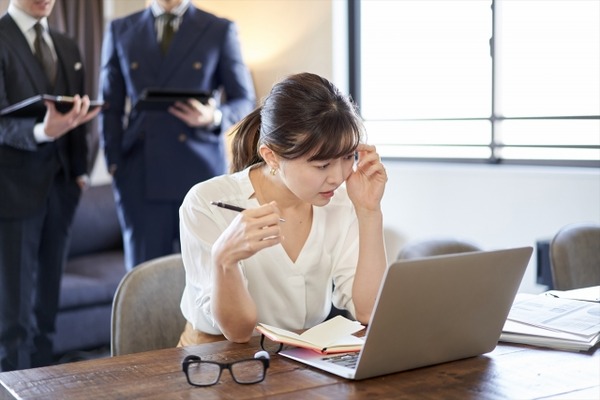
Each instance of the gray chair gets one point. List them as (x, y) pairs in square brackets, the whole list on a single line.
[(575, 256), (146, 312), (435, 247)]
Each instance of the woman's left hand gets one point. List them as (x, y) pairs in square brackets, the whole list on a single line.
[(366, 183)]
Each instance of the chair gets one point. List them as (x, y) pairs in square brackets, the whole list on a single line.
[(146, 312), (435, 247), (575, 256)]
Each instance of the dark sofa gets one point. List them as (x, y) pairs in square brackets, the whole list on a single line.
[(94, 269)]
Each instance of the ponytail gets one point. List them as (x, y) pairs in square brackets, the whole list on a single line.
[(244, 145)]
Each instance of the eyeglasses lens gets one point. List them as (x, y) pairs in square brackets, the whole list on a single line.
[(270, 346), (248, 371), (203, 373)]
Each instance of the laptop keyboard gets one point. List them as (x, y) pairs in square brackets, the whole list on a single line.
[(347, 359)]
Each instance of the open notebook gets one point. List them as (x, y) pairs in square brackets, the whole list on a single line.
[(432, 310)]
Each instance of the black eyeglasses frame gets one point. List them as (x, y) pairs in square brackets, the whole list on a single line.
[(262, 344), (192, 359)]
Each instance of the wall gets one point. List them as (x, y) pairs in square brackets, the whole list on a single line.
[(280, 37), (495, 206)]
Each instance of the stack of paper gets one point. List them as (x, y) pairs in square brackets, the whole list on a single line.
[(549, 321)]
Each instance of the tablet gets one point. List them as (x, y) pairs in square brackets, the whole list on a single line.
[(160, 99)]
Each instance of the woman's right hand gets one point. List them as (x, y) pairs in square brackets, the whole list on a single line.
[(250, 232)]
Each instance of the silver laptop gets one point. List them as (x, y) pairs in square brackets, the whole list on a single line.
[(432, 310)]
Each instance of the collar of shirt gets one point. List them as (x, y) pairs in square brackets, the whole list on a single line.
[(178, 11), (157, 10), (25, 22)]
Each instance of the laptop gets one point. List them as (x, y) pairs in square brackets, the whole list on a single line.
[(431, 310)]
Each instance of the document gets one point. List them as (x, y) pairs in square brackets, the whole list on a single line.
[(160, 99), (34, 107), (332, 336), (584, 294), (548, 321)]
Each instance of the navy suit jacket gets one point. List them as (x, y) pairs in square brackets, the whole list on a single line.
[(26, 167), (204, 55)]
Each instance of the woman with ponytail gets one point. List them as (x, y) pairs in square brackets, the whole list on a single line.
[(310, 190)]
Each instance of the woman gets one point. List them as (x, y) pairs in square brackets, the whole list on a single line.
[(302, 231)]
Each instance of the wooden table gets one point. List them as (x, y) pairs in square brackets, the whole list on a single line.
[(509, 372)]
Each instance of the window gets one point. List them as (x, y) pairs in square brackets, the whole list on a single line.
[(476, 80)]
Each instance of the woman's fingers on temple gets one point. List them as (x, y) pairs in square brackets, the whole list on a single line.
[(367, 153), (369, 161)]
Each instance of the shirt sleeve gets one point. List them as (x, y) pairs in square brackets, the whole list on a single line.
[(199, 229), (344, 265)]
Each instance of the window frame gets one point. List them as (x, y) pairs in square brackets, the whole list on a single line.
[(354, 84)]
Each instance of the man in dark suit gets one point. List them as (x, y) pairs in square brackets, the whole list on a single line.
[(155, 157), (43, 161)]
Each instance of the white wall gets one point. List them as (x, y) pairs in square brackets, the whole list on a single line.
[(494, 206)]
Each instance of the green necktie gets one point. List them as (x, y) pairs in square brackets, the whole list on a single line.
[(167, 32), (44, 54)]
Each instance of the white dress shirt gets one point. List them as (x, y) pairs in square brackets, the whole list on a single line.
[(290, 295)]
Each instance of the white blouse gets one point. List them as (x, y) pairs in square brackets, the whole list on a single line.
[(287, 294)]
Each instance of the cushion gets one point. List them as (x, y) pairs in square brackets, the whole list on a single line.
[(91, 280), (96, 225)]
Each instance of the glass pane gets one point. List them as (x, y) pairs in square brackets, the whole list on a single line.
[(424, 59), (441, 152), (570, 132), (548, 55), (537, 153), (465, 139), (549, 139)]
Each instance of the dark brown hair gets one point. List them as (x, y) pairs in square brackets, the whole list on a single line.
[(304, 115)]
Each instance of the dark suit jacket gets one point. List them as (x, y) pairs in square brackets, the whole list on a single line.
[(204, 55), (27, 168)]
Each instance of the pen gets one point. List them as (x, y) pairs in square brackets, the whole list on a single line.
[(232, 207)]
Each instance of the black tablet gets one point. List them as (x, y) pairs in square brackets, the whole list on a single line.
[(160, 99)]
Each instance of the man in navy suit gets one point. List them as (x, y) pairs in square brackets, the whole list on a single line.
[(43, 164), (155, 157)]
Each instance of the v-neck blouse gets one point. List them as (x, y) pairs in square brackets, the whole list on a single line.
[(290, 295)]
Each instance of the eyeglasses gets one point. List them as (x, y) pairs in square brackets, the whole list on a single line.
[(270, 346), (206, 373)]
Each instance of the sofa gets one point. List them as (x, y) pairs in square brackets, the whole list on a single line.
[(94, 269)]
